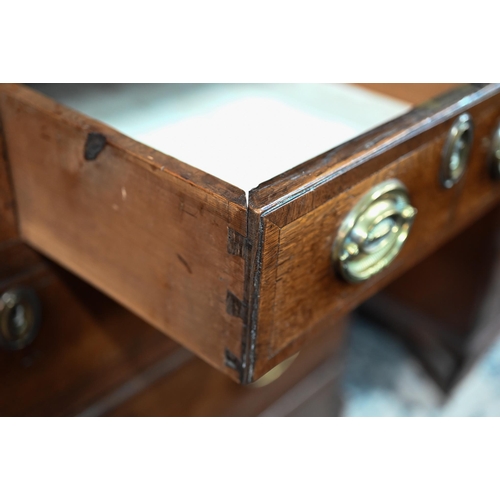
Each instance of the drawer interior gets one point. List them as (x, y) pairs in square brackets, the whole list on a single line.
[(244, 134)]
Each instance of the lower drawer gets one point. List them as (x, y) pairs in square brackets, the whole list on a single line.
[(92, 357)]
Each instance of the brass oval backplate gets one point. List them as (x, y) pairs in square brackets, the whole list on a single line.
[(456, 151), (372, 234), (19, 318)]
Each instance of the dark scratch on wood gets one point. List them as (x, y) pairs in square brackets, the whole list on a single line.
[(186, 265), (183, 208)]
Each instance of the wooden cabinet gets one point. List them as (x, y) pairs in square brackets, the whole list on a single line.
[(242, 284)]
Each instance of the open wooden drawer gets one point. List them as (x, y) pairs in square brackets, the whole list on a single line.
[(241, 280)]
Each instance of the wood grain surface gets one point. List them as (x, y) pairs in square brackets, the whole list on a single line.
[(8, 221), (143, 227), (15, 257)]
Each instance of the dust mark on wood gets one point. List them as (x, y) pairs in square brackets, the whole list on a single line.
[(186, 265), (124, 194), (94, 145)]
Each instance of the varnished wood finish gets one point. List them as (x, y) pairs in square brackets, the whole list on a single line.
[(295, 217), (17, 258), (447, 307), (143, 227)]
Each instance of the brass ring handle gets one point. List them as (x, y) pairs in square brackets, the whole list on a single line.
[(372, 234)]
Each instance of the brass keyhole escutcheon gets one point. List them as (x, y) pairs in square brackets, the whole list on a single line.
[(372, 234), (456, 151)]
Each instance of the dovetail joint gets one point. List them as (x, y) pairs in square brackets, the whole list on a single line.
[(235, 307), (233, 362), (237, 244)]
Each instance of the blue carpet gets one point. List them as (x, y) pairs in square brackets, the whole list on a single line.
[(384, 379)]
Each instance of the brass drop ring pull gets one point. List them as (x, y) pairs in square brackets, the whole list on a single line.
[(372, 234)]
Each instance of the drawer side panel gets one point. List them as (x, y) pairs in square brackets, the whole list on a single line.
[(144, 228)]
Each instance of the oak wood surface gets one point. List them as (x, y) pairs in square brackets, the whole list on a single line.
[(297, 216), (146, 229)]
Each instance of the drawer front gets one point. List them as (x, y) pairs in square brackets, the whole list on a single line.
[(146, 229), (296, 217)]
